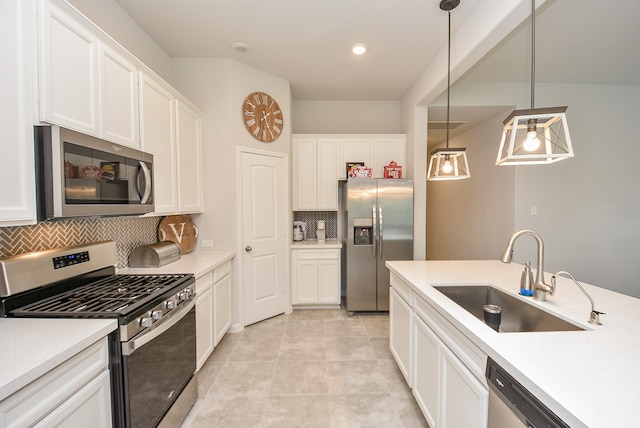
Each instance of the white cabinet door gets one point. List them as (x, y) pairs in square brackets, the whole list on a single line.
[(68, 63), (204, 323), (353, 150), (305, 281), (400, 333), (329, 281), (426, 370), (315, 183), (157, 126), (327, 174), (17, 200), (222, 308), (465, 401), (204, 318), (315, 276), (119, 79), (387, 149), (188, 140), (305, 174), (91, 406)]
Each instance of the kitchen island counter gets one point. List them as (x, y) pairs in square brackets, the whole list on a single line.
[(589, 378), (34, 346)]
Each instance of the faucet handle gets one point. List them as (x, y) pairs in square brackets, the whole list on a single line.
[(594, 318)]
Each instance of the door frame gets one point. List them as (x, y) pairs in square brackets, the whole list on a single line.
[(287, 220)]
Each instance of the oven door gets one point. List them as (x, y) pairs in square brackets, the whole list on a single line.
[(158, 366)]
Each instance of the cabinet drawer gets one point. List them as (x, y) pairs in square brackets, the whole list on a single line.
[(204, 282), (401, 288), (470, 355), (317, 254), (221, 271), (40, 397)]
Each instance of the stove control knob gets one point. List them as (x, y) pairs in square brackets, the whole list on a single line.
[(183, 295), (189, 291), (156, 315), (171, 304), (146, 322)]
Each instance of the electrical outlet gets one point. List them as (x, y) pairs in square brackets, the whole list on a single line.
[(206, 243), (534, 210)]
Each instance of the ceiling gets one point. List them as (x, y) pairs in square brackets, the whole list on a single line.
[(309, 43)]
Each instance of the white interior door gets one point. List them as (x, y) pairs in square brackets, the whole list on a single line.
[(264, 235)]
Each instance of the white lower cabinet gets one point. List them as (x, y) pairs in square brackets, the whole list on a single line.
[(213, 310), (400, 337), (77, 393), (445, 369), (426, 375), (315, 276), (221, 301), (204, 318)]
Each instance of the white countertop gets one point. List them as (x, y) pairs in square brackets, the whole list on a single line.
[(589, 378), (197, 263), (33, 346), (313, 244)]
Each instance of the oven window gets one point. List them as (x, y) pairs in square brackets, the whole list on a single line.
[(157, 372)]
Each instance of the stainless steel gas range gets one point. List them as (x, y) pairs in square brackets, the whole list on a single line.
[(152, 354)]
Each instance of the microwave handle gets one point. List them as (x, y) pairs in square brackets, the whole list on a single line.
[(146, 174)]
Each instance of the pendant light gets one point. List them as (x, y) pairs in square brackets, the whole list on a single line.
[(537, 135), (447, 163)]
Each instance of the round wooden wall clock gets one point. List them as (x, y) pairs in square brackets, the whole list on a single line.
[(262, 117)]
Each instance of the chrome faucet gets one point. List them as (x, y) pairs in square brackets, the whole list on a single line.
[(594, 316), (540, 289)]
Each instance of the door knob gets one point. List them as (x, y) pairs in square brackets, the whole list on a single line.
[(248, 249)]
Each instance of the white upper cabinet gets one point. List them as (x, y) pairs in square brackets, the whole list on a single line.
[(353, 150), (68, 65), (120, 98), (87, 82), (170, 129), (387, 149), (17, 197), (376, 151), (315, 183), (188, 141), (157, 129)]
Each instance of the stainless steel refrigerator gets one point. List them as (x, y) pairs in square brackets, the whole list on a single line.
[(379, 227)]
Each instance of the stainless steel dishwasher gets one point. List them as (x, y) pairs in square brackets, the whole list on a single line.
[(511, 405)]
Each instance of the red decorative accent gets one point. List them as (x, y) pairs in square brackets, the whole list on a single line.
[(393, 170)]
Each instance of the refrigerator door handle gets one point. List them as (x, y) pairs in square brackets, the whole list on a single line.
[(380, 235), (374, 223)]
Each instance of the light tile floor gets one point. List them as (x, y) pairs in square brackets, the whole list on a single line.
[(311, 368)]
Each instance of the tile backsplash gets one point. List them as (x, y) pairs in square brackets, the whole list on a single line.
[(127, 232), (312, 217)]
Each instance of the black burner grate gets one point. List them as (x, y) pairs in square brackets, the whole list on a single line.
[(112, 296)]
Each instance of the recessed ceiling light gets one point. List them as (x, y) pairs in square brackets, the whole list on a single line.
[(240, 46), (359, 48)]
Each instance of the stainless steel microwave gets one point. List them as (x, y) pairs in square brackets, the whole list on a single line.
[(82, 176)]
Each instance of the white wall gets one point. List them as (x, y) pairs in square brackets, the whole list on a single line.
[(346, 117), (471, 219)]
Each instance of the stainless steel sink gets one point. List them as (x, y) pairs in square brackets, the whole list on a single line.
[(516, 315)]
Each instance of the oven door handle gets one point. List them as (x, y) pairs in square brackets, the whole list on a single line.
[(131, 346)]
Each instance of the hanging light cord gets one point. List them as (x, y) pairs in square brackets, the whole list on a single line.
[(533, 50), (448, 75)]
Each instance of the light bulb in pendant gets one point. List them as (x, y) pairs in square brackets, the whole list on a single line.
[(447, 167), (531, 143)]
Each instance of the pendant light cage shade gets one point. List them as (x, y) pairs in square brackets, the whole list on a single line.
[(448, 164), (535, 136)]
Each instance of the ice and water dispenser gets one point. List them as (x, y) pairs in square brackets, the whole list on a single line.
[(362, 231)]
